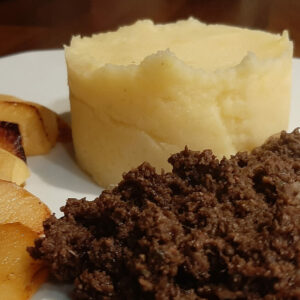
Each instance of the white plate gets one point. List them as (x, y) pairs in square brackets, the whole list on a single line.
[(41, 77)]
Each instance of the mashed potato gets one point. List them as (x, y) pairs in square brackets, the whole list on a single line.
[(145, 91)]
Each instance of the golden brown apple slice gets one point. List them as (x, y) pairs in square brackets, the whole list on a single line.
[(18, 205), (20, 275), (38, 125), (13, 168), (11, 139)]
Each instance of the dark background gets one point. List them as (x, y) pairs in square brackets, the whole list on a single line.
[(41, 24)]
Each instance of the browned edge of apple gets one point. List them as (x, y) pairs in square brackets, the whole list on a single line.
[(64, 131), (11, 139)]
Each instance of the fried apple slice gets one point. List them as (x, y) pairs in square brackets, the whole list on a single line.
[(18, 205), (38, 124), (13, 168), (20, 275), (11, 139)]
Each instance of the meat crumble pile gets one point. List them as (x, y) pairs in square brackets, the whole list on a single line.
[(211, 229)]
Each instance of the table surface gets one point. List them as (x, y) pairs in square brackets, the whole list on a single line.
[(35, 24)]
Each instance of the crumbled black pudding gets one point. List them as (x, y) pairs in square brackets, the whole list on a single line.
[(211, 229)]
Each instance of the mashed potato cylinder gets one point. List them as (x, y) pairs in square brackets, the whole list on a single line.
[(145, 91)]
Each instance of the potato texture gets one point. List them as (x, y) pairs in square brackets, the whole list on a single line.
[(20, 275), (205, 86), (18, 205)]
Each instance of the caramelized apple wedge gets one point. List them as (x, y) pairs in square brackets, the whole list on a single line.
[(18, 205), (11, 139), (13, 168), (39, 126), (20, 275)]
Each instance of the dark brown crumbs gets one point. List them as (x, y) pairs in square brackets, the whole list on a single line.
[(211, 229)]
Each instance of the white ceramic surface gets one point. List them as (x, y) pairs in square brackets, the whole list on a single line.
[(41, 77)]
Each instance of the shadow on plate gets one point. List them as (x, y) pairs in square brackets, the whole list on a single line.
[(59, 169), (51, 291)]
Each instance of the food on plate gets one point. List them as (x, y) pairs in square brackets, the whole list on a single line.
[(11, 139), (210, 229), (20, 275), (18, 205), (64, 131), (13, 168), (21, 222), (39, 126), (145, 91), (13, 165)]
